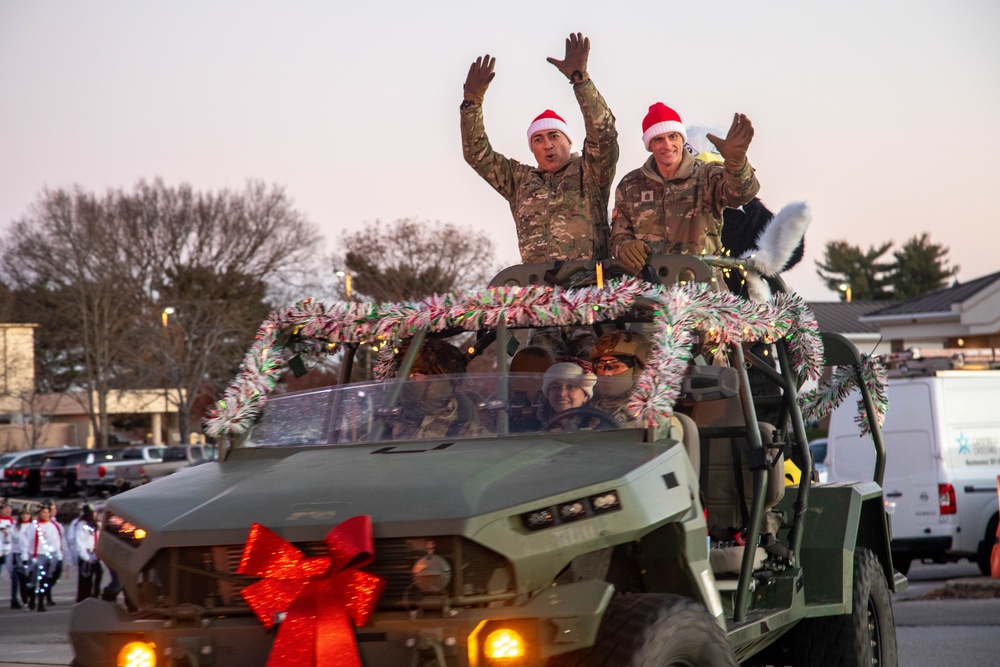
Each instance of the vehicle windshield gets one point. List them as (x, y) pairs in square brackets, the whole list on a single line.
[(428, 407), (6, 460)]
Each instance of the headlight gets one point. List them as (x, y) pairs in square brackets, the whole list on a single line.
[(503, 644), (581, 508), (137, 654), (124, 530)]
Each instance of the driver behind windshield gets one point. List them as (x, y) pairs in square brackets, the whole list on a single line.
[(565, 386), (432, 406)]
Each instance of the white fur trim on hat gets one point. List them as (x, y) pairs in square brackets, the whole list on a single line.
[(567, 370), (662, 128), (548, 120)]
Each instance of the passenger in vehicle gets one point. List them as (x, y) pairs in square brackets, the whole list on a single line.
[(565, 386), (619, 358), (432, 407), (674, 202), (559, 207)]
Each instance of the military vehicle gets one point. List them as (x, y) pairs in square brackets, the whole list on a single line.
[(345, 523)]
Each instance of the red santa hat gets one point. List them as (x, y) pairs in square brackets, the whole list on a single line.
[(548, 120), (660, 120)]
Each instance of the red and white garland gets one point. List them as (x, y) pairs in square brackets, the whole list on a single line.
[(723, 318)]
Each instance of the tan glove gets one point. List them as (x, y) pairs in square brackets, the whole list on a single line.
[(574, 65), (733, 148), (634, 252), (479, 77)]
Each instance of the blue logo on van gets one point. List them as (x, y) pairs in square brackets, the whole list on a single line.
[(963, 444)]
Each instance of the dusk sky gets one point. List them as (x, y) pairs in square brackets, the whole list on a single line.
[(883, 116)]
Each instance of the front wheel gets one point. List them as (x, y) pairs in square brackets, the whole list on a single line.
[(654, 630), (863, 638)]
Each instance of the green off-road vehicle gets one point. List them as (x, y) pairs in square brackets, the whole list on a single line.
[(342, 527)]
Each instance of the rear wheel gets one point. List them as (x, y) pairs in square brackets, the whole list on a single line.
[(652, 630), (866, 637), (986, 547)]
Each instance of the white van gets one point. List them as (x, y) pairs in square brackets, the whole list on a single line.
[(942, 441)]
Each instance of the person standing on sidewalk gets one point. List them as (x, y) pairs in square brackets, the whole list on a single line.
[(7, 541), (41, 548), (19, 567), (89, 573)]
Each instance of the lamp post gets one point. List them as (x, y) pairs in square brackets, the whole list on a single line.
[(846, 289), (165, 319), (347, 281)]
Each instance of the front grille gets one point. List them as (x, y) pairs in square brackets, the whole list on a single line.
[(206, 576)]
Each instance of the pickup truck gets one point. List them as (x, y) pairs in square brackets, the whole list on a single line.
[(101, 476), (175, 457)]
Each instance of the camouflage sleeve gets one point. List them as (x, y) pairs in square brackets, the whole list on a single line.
[(621, 221), (497, 170), (730, 189), (600, 147)]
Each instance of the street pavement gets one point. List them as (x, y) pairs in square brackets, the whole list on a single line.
[(931, 628)]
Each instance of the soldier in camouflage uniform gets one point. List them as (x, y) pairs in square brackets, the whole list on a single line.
[(431, 406), (560, 206), (674, 203), (619, 358)]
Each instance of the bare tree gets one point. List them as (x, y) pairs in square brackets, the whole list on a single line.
[(409, 259), (101, 271)]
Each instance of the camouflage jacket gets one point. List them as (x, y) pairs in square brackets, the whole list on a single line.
[(684, 214), (561, 215), (453, 420)]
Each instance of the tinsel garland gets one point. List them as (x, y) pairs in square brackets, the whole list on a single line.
[(820, 402), (723, 318)]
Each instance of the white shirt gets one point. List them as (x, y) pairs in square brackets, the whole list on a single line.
[(43, 538), (85, 540), (6, 535)]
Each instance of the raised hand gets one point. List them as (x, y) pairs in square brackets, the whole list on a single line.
[(734, 147), (574, 65), (479, 77)]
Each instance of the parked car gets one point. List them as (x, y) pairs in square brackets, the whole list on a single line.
[(20, 471), (818, 449), (175, 457), (58, 473), (100, 476)]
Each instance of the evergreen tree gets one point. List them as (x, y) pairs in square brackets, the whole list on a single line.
[(921, 267)]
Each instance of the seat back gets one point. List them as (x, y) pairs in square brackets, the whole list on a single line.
[(723, 493)]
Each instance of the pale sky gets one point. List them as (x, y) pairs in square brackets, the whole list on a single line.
[(884, 116)]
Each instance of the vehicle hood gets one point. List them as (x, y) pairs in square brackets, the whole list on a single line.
[(303, 491)]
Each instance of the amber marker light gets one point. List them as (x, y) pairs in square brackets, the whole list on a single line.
[(504, 644), (137, 654)]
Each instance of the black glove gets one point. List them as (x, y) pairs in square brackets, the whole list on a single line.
[(733, 148), (574, 65), (478, 80)]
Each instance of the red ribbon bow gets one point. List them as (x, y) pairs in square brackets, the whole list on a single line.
[(321, 596)]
